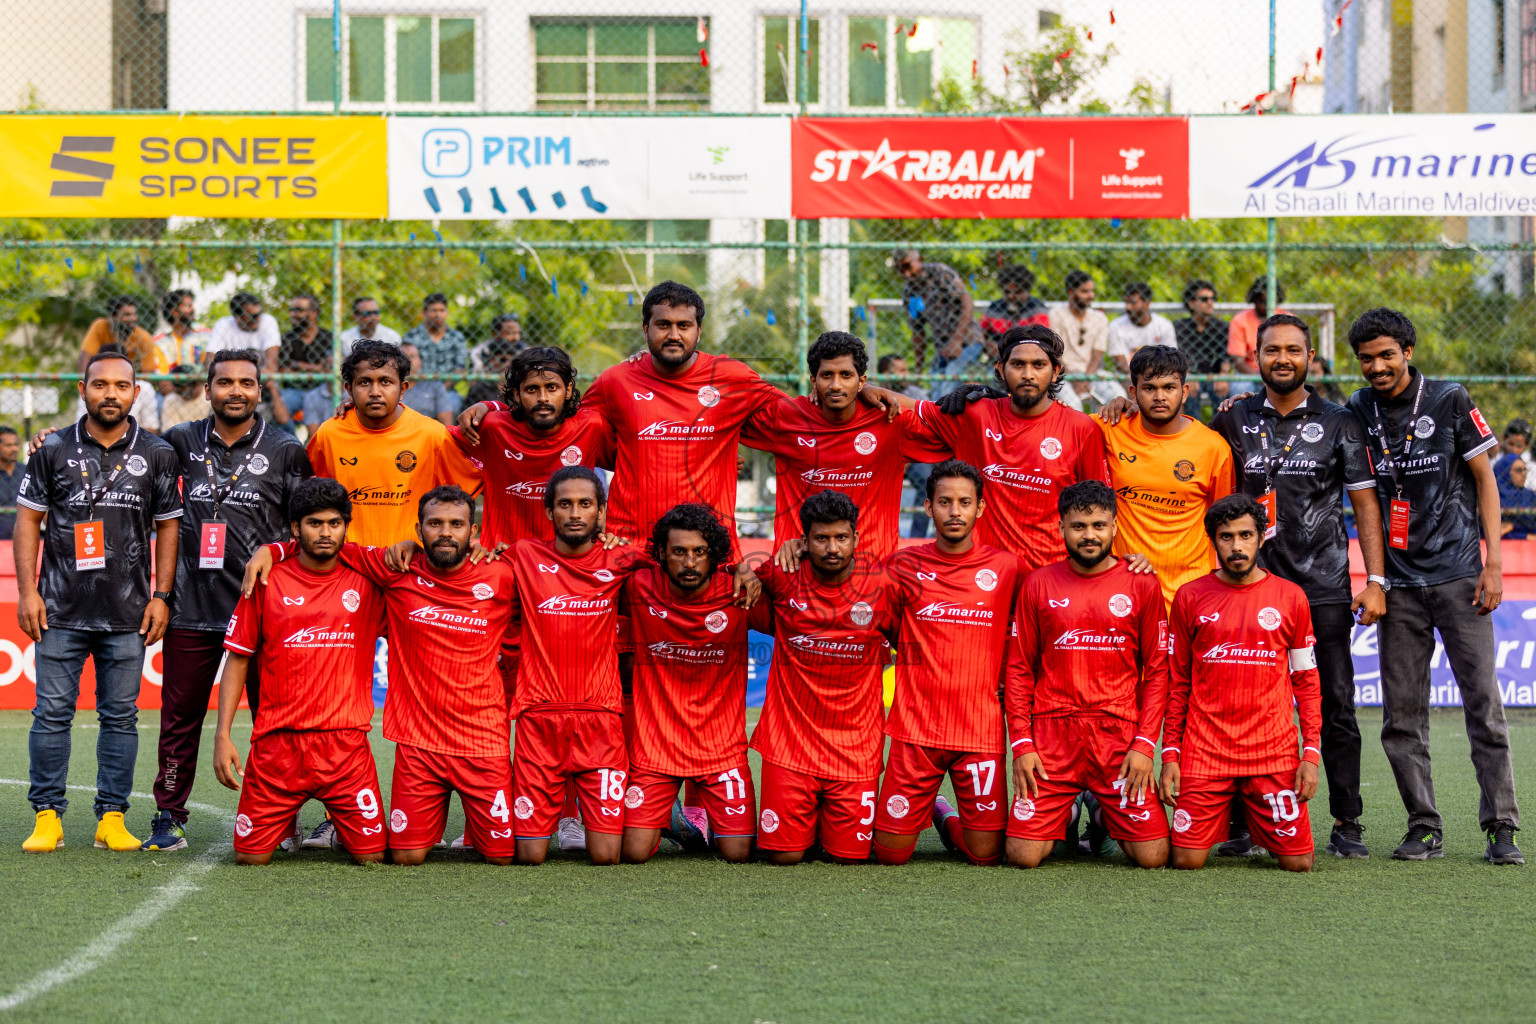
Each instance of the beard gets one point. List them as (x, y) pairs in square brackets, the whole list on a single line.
[(443, 557), (1287, 386), (1246, 569), (106, 416), (580, 539), (1089, 561)]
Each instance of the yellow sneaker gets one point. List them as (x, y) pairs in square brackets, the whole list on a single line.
[(112, 834), (47, 835)]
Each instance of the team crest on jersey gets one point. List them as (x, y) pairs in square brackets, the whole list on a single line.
[(1181, 820), (483, 591), (1120, 605), (571, 456), (604, 575), (523, 808), (709, 396), (405, 461), (769, 820), (861, 613), (986, 579), (1184, 471), (137, 465), (864, 443), (1312, 433), (397, 820), (897, 806), (716, 622), (1050, 448), (351, 600), (1424, 427), (242, 825), (1023, 808), (634, 796), (1269, 618), (259, 465)]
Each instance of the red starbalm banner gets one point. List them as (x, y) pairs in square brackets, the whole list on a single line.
[(990, 167)]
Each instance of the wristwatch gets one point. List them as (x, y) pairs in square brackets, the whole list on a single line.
[(161, 595), (1380, 581)]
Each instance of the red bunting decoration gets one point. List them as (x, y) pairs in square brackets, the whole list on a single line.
[(973, 69), (901, 27), (1338, 19), (1090, 35), (1111, 15), (1319, 59), (871, 46), (1064, 55), (704, 58), (1294, 80), (912, 31)]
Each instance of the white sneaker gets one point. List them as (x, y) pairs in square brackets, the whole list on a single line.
[(320, 837), (295, 838), (573, 836), (461, 844)]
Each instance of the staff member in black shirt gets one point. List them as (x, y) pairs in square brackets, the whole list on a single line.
[(103, 485), (1299, 455), (1202, 337), (1430, 447)]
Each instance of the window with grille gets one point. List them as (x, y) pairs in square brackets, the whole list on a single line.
[(621, 64), (393, 61)]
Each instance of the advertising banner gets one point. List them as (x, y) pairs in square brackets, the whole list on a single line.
[(1383, 165), (583, 168), (991, 167), (104, 166)]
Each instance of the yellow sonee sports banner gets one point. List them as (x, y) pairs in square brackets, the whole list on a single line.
[(105, 166)]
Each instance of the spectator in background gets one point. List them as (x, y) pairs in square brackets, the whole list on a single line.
[(365, 311), (431, 398), (495, 356), (183, 403), (1017, 308), (443, 349), (1202, 337), (1243, 338), (10, 479), (1517, 438), (939, 309), (1319, 368), (894, 367), (306, 348), (1084, 333), (507, 332), (1512, 475), (246, 327), (119, 331), (184, 340), (1138, 327)]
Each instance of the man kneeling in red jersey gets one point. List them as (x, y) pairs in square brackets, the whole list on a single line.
[(313, 629), (1085, 693), (1241, 665)]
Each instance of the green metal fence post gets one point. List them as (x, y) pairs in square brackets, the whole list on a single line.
[(336, 233), (1271, 286), (802, 271)]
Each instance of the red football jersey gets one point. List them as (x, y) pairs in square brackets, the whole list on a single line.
[(690, 677), (1241, 668), (824, 712), (864, 458), (516, 461), (956, 617), (676, 437), (1089, 645), (1027, 461), (569, 609), (315, 632)]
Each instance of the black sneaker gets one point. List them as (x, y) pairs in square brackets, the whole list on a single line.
[(1240, 845), (1345, 841), (1099, 842), (1501, 845), (1421, 843)]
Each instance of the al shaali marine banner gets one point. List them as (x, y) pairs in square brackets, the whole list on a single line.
[(164, 166), (1404, 165), (585, 168)]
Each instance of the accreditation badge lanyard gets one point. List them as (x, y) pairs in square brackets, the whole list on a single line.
[(212, 533), (1268, 499), (91, 534), (1398, 515)]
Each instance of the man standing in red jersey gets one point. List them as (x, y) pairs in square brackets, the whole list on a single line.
[(1086, 691), (839, 442), (820, 733), (1027, 445), (1241, 670), (313, 628), (688, 722), (956, 611)]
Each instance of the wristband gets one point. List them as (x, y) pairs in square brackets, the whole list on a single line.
[(1380, 581), (160, 595)]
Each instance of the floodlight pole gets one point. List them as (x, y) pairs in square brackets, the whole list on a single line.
[(1271, 286)]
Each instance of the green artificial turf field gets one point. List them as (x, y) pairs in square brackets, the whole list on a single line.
[(691, 939)]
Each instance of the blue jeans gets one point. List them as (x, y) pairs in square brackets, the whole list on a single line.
[(119, 661), (314, 403), (962, 363)]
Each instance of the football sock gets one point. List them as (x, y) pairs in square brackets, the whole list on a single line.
[(957, 836), (570, 810), (887, 855)]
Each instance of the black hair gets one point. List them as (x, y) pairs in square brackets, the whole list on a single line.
[(900, 256), (170, 300), (235, 355), (6, 428), (503, 318), (1516, 426), (318, 494), (362, 299), (117, 302), (670, 293), (1232, 507), (833, 344), (539, 359), (1034, 334), (374, 354), (1283, 320), (446, 494), (433, 299), (1259, 292), (109, 352), (1194, 288), (956, 469), (1015, 273), (239, 300), (828, 507), (312, 300), (1158, 361), (1077, 278), (696, 516), (1382, 322), (1085, 496), (884, 365), (1139, 288), (565, 473)]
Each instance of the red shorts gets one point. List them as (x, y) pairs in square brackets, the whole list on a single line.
[(1078, 753), (556, 747), (289, 766), (800, 809), (418, 800), (1277, 820), (726, 797), (912, 778)]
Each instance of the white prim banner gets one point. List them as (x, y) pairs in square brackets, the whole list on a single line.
[(586, 168), (1395, 165)]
